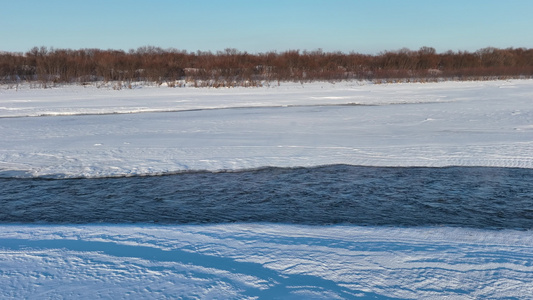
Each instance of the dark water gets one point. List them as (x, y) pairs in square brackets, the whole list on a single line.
[(455, 196)]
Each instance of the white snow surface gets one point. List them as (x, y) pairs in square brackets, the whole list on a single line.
[(262, 261), (76, 131)]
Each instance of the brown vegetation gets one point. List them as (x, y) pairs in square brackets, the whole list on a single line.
[(234, 68)]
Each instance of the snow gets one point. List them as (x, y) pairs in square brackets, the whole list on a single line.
[(74, 131), (249, 261)]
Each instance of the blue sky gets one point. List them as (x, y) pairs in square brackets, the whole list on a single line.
[(367, 26)]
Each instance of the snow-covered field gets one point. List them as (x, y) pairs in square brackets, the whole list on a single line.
[(76, 131), (245, 261)]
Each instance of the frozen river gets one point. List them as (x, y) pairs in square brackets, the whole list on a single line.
[(316, 191), (90, 132)]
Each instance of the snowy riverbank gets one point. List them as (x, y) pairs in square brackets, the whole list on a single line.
[(265, 261), (76, 131)]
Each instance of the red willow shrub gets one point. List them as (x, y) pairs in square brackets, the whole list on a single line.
[(234, 68)]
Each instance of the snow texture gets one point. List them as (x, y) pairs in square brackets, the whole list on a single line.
[(265, 261), (77, 131)]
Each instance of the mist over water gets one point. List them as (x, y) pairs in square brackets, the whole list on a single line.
[(478, 197)]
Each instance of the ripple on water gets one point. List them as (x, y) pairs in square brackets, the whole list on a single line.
[(479, 197)]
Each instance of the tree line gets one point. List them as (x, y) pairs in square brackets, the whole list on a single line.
[(232, 67)]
